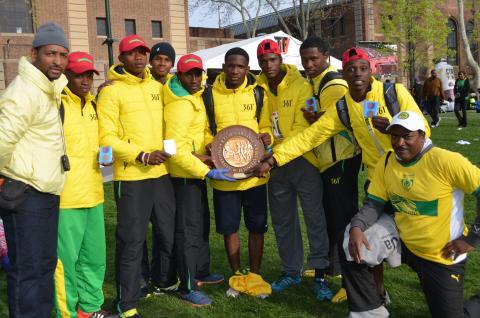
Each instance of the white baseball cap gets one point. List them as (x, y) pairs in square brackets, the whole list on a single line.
[(408, 120)]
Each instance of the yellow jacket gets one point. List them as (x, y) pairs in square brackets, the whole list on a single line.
[(292, 93), (186, 123), (330, 124), (343, 142), (84, 186), (30, 129), (130, 116), (237, 107)]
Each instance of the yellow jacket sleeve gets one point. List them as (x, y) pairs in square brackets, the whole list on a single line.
[(15, 118), (326, 127), (110, 130), (299, 121), (264, 124), (406, 102), (178, 119)]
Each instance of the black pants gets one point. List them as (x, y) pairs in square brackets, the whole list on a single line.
[(340, 200), (433, 107), (153, 271), (31, 231), (138, 202), (190, 230), (461, 106), (441, 284)]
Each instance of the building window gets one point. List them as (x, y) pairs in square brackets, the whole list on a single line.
[(342, 26), (16, 16), (102, 26), (157, 31), (470, 27), (130, 27), (452, 58), (332, 28)]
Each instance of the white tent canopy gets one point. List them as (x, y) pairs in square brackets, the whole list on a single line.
[(290, 47)]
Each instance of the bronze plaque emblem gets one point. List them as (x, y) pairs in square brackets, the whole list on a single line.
[(238, 149)]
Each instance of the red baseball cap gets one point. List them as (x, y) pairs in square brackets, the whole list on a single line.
[(80, 62), (189, 62), (353, 54), (268, 46), (131, 42)]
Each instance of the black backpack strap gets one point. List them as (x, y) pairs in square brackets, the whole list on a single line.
[(61, 110), (94, 105), (386, 158), (390, 95), (207, 97), (259, 93), (342, 111), (327, 78)]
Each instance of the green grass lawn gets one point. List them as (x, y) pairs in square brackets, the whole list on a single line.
[(402, 283)]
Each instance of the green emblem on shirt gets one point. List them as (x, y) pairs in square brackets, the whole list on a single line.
[(407, 181)]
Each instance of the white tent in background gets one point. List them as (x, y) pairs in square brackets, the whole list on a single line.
[(290, 46)]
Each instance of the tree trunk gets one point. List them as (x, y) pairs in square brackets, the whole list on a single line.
[(466, 44)]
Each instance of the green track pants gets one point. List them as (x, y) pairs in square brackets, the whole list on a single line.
[(81, 261)]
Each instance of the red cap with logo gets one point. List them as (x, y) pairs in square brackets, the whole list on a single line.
[(80, 62), (268, 46), (189, 62), (131, 42), (353, 54)]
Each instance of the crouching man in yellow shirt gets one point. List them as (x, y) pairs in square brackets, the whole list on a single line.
[(425, 185)]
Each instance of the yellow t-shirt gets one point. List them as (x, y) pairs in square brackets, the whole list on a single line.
[(427, 197)]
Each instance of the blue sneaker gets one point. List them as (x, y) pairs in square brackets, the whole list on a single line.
[(321, 289), (285, 281), (211, 279), (196, 298)]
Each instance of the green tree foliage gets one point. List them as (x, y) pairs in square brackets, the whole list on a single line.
[(418, 28)]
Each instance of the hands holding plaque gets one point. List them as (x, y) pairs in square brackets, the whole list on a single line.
[(238, 149)]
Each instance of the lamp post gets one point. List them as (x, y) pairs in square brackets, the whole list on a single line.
[(109, 40)]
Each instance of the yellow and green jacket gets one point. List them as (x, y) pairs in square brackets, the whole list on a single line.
[(330, 125), (83, 186), (237, 107), (30, 129), (343, 142), (292, 94), (186, 123), (130, 116)]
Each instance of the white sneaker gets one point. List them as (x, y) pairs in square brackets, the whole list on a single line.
[(232, 293)]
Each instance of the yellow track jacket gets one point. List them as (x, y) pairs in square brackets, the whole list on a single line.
[(292, 93), (330, 124), (186, 123), (30, 129), (237, 107), (343, 142), (130, 116), (83, 187)]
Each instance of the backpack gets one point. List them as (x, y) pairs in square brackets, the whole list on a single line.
[(327, 78), (207, 97), (390, 95)]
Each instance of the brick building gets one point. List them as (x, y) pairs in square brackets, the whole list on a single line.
[(84, 23), (357, 22), (204, 38)]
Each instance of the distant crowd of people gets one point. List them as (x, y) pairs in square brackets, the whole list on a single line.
[(156, 129)]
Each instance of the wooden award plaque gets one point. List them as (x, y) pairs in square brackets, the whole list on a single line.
[(237, 148)]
